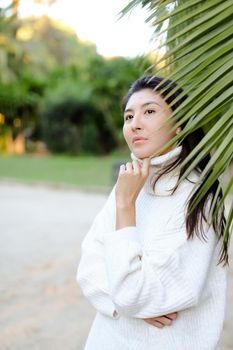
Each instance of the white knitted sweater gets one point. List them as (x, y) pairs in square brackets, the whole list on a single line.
[(151, 269)]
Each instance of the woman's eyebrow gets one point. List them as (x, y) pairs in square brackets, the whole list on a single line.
[(143, 105), (150, 102)]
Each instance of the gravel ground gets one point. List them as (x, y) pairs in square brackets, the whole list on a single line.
[(41, 305)]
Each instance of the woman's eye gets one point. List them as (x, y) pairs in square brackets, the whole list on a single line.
[(150, 111), (129, 116)]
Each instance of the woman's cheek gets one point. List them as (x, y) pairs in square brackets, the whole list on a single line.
[(126, 133)]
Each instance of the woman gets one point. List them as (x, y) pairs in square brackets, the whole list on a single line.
[(148, 266)]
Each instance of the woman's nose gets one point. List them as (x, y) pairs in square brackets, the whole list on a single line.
[(136, 123)]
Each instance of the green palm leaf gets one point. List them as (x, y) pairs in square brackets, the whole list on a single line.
[(197, 36)]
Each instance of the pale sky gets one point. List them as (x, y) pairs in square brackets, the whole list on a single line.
[(96, 21)]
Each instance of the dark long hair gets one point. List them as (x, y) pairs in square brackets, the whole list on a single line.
[(194, 218)]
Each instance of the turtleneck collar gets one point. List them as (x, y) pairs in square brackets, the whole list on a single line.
[(167, 181)]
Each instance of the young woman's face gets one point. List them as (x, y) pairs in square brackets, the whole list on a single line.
[(144, 114)]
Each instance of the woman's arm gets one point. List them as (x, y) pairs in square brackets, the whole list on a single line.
[(141, 287), (91, 272), (131, 179)]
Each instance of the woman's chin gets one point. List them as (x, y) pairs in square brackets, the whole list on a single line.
[(142, 155)]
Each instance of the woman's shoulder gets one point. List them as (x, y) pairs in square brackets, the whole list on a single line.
[(189, 183)]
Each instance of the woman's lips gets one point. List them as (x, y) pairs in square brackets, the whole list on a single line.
[(138, 140)]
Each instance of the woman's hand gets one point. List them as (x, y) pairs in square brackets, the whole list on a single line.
[(131, 179), (161, 321)]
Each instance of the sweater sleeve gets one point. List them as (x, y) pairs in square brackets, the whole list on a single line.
[(148, 283), (91, 272)]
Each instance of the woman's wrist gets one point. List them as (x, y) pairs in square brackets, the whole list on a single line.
[(125, 216), (125, 204)]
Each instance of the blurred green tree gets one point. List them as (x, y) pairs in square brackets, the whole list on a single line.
[(46, 68)]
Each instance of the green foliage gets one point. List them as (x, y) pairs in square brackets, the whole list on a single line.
[(96, 93), (59, 132), (110, 82), (69, 108), (89, 138), (75, 126), (60, 88), (49, 46)]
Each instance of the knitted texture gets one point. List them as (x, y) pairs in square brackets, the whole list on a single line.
[(151, 269)]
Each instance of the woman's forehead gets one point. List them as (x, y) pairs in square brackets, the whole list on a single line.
[(144, 97)]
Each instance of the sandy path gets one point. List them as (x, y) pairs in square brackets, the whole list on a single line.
[(41, 306)]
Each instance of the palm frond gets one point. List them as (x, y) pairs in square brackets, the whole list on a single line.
[(197, 37)]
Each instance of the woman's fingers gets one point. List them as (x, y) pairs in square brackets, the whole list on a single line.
[(162, 321), (131, 179), (172, 316), (122, 169), (154, 323), (137, 167), (129, 167), (157, 324)]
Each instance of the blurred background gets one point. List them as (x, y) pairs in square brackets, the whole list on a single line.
[(65, 66), (60, 93)]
